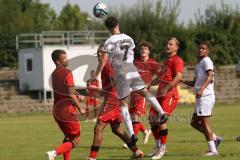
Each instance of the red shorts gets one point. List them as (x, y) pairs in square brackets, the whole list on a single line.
[(137, 105), (66, 116), (92, 101), (168, 104), (110, 111), (71, 129)]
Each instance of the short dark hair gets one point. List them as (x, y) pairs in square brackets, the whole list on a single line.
[(205, 44), (111, 22), (146, 44), (56, 54)]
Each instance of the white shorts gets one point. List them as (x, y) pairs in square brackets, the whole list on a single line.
[(126, 83), (204, 105)]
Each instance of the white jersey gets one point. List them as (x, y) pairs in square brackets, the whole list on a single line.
[(120, 49), (201, 75)]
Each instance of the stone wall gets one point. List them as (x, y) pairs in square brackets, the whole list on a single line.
[(227, 88)]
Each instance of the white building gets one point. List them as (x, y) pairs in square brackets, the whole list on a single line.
[(36, 65)]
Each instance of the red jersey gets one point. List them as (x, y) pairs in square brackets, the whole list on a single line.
[(169, 70), (147, 69), (62, 79), (107, 81), (93, 88), (109, 90)]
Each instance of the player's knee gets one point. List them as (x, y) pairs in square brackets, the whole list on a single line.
[(115, 131), (194, 124), (75, 141)]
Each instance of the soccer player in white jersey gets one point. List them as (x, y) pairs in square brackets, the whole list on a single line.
[(119, 49), (205, 99)]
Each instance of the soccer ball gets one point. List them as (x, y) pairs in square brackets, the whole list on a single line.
[(100, 10)]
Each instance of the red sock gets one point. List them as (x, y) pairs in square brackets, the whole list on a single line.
[(142, 127), (93, 151), (163, 139), (67, 155), (155, 134), (136, 127), (93, 154), (63, 148)]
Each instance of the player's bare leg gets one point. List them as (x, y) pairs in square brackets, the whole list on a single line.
[(87, 113), (145, 93), (209, 136), (197, 124), (117, 130), (97, 140), (95, 114), (127, 118), (138, 126)]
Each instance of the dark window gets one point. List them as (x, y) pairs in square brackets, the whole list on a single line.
[(29, 65)]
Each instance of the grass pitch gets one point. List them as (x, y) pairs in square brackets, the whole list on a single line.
[(28, 137)]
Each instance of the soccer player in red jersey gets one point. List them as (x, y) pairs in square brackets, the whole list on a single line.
[(167, 95), (92, 96), (147, 68), (110, 114), (66, 104)]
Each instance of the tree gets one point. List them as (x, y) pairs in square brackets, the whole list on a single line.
[(21, 16), (71, 18)]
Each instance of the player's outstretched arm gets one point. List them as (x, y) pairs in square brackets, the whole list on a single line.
[(189, 83)]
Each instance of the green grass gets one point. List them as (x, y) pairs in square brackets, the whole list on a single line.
[(28, 137)]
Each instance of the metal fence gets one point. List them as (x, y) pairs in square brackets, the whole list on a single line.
[(67, 38)]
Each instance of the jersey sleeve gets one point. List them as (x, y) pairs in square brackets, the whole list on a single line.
[(132, 44), (208, 65), (69, 79), (108, 47), (178, 65)]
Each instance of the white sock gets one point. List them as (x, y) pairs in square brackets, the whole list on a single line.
[(54, 153), (211, 146), (162, 146), (127, 119), (157, 143), (154, 103)]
